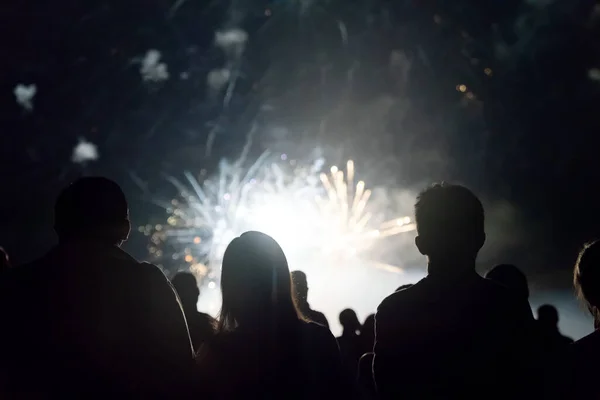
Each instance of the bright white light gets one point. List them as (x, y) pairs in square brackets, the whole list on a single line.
[(84, 151), (232, 41), (152, 69), (24, 95)]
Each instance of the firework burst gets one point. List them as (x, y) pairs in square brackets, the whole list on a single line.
[(310, 213)]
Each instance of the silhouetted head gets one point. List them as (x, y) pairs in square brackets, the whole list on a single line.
[(402, 287), (510, 277), (548, 315), (368, 328), (450, 224), (187, 288), (92, 208), (255, 283), (4, 260), (586, 277), (300, 285), (349, 321)]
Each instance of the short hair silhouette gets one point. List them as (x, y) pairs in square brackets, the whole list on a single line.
[(586, 277), (402, 287), (510, 277), (92, 207), (450, 222), (4, 260), (547, 315), (300, 284), (187, 288), (349, 320), (255, 283)]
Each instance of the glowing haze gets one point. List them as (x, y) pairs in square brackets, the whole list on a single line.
[(321, 220)]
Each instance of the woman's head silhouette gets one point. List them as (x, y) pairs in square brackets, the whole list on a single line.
[(255, 283)]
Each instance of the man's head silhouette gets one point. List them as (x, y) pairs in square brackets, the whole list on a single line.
[(349, 320), (300, 285), (548, 315), (187, 288), (92, 208), (450, 224)]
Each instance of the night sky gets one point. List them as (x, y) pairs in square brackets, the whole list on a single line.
[(376, 81)]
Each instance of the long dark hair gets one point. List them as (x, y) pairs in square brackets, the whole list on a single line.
[(255, 284)]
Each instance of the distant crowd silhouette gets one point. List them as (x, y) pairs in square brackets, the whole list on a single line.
[(88, 321)]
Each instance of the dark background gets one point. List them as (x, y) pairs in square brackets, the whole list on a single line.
[(526, 137)]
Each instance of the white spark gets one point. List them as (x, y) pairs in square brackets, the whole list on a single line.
[(152, 69), (232, 42), (594, 74), (84, 151), (24, 95)]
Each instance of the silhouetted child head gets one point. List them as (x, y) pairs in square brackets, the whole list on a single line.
[(586, 277), (92, 208), (450, 223), (187, 288), (510, 277), (349, 321), (300, 285), (547, 315), (4, 260), (255, 283)]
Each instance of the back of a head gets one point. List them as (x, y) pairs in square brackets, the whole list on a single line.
[(187, 288), (92, 207), (300, 285), (586, 277), (349, 320), (255, 282), (510, 277), (450, 222), (548, 315)]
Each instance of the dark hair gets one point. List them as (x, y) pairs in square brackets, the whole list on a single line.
[(450, 218), (92, 207), (586, 276), (255, 283), (510, 277)]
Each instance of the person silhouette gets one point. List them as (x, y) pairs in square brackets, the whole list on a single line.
[(510, 277), (349, 342), (367, 334), (4, 260), (87, 320), (551, 338), (577, 369), (453, 334), (202, 326), (300, 285), (263, 348)]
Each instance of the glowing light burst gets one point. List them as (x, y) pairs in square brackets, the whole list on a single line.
[(318, 218)]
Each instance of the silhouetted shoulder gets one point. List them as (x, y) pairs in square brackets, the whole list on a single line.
[(403, 296), (317, 331)]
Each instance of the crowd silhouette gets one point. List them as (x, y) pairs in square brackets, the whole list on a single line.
[(87, 320)]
